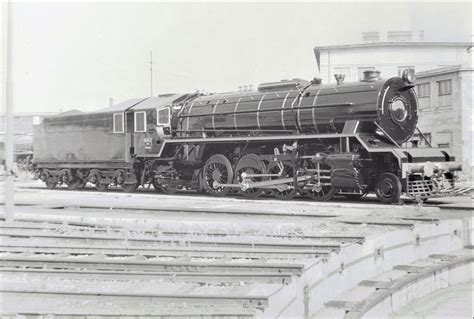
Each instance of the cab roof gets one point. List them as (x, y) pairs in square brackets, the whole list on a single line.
[(137, 104)]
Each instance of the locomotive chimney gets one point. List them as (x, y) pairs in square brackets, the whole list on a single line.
[(371, 75), (339, 78)]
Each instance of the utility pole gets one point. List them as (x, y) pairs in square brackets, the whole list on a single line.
[(8, 109), (151, 73)]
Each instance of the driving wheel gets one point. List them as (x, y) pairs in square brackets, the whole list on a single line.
[(250, 164), (218, 170), (288, 190), (316, 189)]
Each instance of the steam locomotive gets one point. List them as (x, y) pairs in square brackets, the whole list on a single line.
[(285, 138)]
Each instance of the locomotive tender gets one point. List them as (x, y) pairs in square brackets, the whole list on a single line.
[(286, 138)]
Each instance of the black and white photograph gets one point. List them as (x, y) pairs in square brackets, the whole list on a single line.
[(235, 160)]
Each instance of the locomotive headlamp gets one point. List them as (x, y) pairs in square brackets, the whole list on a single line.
[(398, 109), (409, 76)]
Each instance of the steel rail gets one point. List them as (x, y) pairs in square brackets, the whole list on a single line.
[(175, 210), (167, 249), (150, 253), (51, 225), (177, 308), (258, 302), (152, 265), (204, 277), (177, 241)]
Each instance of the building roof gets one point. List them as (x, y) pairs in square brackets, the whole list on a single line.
[(339, 47), (445, 70), (392, 44)]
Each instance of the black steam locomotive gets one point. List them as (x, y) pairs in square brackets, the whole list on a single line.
[(286, 138)]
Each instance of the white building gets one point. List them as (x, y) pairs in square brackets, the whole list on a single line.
[(445, 102), (390, 58), (444, 82)]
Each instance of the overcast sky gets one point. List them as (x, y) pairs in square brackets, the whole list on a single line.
[(76, 56)]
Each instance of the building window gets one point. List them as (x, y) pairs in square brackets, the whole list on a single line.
[(360, 71), (403, 68), (423, 90), (140, 121), (397, 36), (444, 87), (119, 124), (370, 36), (444, 139), (419, 141)]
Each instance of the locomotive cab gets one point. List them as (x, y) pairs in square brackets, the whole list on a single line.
[(163, 122)]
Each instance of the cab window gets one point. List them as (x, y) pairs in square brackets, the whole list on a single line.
[(164, 116), (118, 123), (140, 121)]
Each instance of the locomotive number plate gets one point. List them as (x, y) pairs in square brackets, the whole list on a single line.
[(148, 142)]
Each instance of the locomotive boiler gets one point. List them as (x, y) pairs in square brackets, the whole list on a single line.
[(286, 138)]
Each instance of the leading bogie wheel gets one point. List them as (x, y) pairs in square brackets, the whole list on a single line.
[(389, 188), (250, 164), (217, 170)]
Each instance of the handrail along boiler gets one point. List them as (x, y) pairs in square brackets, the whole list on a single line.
[(286, 138)]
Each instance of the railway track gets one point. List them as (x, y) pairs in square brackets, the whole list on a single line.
[(85, 252), (43, 253), (180, 262)]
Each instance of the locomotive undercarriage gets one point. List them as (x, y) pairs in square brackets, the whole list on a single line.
[(316, 168), (76, 178), (319, 169)]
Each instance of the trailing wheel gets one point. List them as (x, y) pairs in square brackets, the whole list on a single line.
[(285, 191), (250, 164), (94, 178), (320, 188), (388, 189), (101, 187), (81, 183), (51, 182), (156, 185), (169, 189), (74, 184), (129, 187), (217, 170)]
